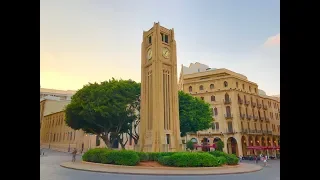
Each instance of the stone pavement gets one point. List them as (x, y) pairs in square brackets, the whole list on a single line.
[(139, 170), (50, 169)]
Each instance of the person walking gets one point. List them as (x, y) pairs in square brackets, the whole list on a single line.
[(265, 160), (256, 159), (74, 153)]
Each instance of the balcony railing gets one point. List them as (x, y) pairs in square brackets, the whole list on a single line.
[(227, 101), (246, 103), (240, 101), (265, 107), (255, 118), (262, 118), (267, 119), (228, 116), (242, 116), (253, 104), (269, 132), (244, 131), (259, 106), (254, 131), (230, 131), (248, 117)]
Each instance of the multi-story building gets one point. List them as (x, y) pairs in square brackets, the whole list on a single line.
[(59, 94), (243, 115)]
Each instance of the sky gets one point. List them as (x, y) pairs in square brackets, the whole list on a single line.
[(85, 41)]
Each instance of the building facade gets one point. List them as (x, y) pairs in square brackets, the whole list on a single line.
[(243, 114), (58, 94)]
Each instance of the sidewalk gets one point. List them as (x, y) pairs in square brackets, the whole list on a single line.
[(108, 168)]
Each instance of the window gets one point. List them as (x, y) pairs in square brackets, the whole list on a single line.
[(248, 125), (213, 98), (261, 127), (241, 125), (149, 39), (165, 38), (201, 87), (228, 111), (267, 127), (213, 126), (255, 126), (190, 88), (217, 126), (226, 96), (237, 84), (250, 88), (211, 86), (255, 90), (225, 84), (212, 111), (230, 128), (215, 111), (202, 98), (242, 86)]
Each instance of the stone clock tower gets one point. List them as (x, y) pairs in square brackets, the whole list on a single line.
[(159, 125)]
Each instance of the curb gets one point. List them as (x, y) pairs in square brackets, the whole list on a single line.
[(164, 171)]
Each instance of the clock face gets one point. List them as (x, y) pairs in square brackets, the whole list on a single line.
[(149, 54), (165, 52)]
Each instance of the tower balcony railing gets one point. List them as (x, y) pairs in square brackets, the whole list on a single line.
[(228, 116), (265, 107), (227, 101), (246, 103), (240, 101)]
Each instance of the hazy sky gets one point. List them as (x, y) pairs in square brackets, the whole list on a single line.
[(85, 41)]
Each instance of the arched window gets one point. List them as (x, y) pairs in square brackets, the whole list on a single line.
[(226, 96), (200, 87), (237, 84), (190, 88), (213, 98), (225, 84), (228, 110), (215, 111), (211, 86)]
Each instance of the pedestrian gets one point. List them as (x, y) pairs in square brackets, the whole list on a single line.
[(265, 160), (74, 153), (256, 159)]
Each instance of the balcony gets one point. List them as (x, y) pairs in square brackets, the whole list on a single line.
[(253, 104), (259, 106), (246, 103), (244, 131), (262, 118), (255, 118), (242, 116), (267, 119), (240, 101), (269, 132), (259, 131), (248, 117), (230, 131), (265, 132), (254, 131), (228, 116), (265, 107), (227, 101)]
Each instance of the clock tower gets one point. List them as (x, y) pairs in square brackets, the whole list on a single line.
[(159, 129)]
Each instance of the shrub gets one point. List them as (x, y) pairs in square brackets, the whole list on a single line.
[(184, 159), (218, 153), (232, 159), (94, 155), (219, 145), (143, 156), (123, 157), (190, 145), (222, 160), (153, 156), (165, 160)]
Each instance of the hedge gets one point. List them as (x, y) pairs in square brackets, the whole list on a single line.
[(175, 159)]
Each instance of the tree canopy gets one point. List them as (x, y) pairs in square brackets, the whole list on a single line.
[(195, 114), (106, 109)]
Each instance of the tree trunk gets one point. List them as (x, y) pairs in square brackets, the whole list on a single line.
[(106, 140)]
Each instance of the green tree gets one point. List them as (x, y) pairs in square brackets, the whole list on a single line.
[(104, 109), (219, 145), (195, 114), (190, 145)]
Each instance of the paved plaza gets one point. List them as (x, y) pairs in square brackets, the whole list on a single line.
[(50, 169)]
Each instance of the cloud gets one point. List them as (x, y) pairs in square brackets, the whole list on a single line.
[(273, 40)]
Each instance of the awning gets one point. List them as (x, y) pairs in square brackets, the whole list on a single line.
[(264, 147), (209, 145)]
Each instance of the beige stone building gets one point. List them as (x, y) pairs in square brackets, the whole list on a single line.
[(243, 114), (55, 93)]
